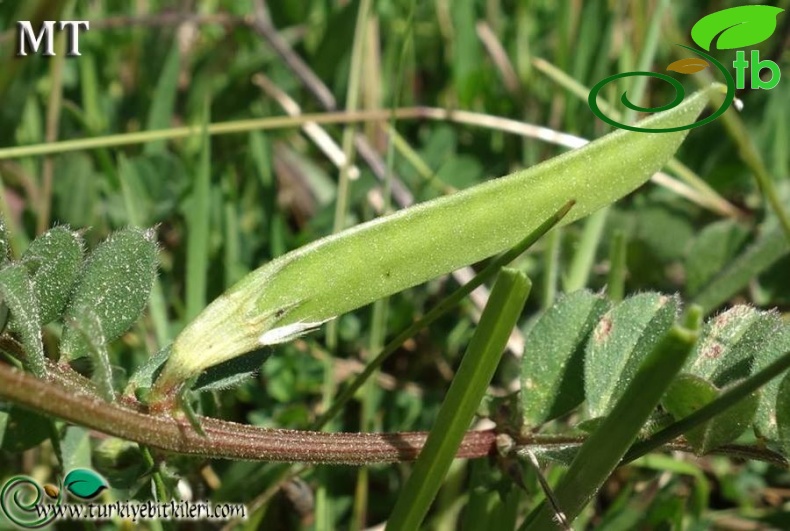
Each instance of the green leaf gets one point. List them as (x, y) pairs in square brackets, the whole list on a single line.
[(232, 372), (5, 242), (88, 325), (552, 367), (121, 462), (291, 295), (144, 375), (84, 484), (755, 259), (736, 27), (775, 344), (603, 450), (75, 446), (21, 429), (782, 417), (5, 256), (688, 393), (53, 260), (620, 342), (711, 251), (115, 283), (729, 343), (160, 113), (463, 398), (20, 297)]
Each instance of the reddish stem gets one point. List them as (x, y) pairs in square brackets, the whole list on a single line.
[(60, 397)]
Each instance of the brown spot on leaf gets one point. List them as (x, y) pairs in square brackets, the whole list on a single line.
[(714, 350), (690, 65), (603, 329)]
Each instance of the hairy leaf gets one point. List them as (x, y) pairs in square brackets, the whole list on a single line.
[(728, 344), (20, 297), (115, 283), (619, 344), (776, 342), (782, 418), (54, 261), (552, 366), (689, 393)]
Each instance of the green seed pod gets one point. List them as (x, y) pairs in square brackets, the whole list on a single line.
[(53, 260), (114, 284), (304, 288)]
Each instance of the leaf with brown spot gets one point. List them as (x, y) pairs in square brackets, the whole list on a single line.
[(690, 65), (552, 369), (620, 342)]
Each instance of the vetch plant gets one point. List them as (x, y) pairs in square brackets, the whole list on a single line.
[(305, 288), (635, 372)]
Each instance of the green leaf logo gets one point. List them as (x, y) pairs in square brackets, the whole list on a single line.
[(736, 27), (84, 483)]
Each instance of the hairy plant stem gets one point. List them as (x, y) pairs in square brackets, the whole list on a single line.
[(71, 397)]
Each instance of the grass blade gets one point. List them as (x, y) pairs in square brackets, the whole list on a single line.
[(757, 258), (198, 231), (469, 385), (727, 399)]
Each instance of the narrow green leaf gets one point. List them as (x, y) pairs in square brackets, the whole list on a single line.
[(602, 451), (291, 294), (232, 372), (782, 416), (758, 257), (115, 284), (622, 339), (552, 370), (615, 285), (727, 399), (584, 258), (483, 500), (776, 343), (711, 251), (144, 375), (88, 325), (736, 27), (198, 227), (20, 296), (463, 398), (160, 113), (689, 393), (54, 260)]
